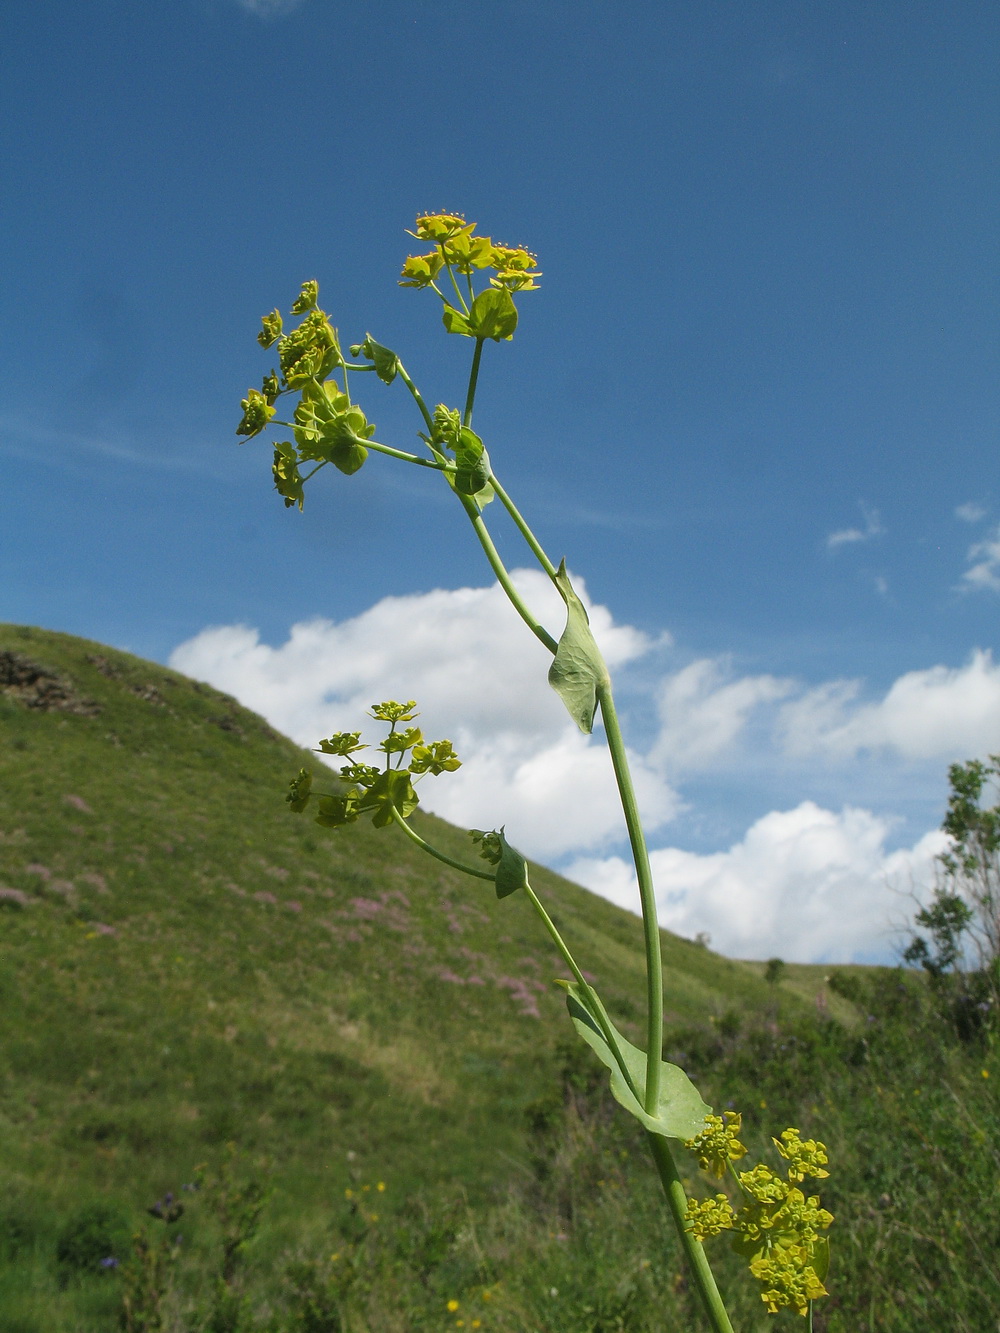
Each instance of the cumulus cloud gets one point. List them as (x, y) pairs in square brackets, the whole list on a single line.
[(807, 884), (938, 713), (804, 882), (848, 536), (703, 711), (478, 678), (984, 570)]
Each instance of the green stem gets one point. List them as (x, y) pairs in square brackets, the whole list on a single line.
[(647, 899), (704, 1278), (407, 458), (439, 855), (503, 578), (522, 527), (417, 398), (458, 290), (595, 1006), (470, 397)]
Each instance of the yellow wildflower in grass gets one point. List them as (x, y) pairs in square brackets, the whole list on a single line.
[(763, 1185), (709, 1217), (452, 1306), (381, 1187), (788, 1278), (717, 1145), (804, 1158)]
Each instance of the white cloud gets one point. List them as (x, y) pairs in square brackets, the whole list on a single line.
[(939, 713), (848, 536), (985, 572), (807, 885), (703, 712), (970, 512), (479, 678), (269, 9), (804, 883)]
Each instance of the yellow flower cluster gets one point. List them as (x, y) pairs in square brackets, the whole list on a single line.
[(460, 248), (804, 1159), (717, 1146), (778, 1229), (788, 1278), (710, 1216)]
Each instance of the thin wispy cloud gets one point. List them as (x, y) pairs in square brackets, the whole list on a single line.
[(970, 512), (23, 439), (983, 574), (849, 536), (270, 9)]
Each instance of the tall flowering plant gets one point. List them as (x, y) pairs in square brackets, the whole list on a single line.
[(774, 1225)]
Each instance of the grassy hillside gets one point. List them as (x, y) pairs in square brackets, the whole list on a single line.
[(197, 986), (185, 963)]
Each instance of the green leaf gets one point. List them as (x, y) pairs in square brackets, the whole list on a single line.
[(299, 790), (348, 457), (512, 870), (472, 462), (393, 788), (493, 315), (336, 811), (386, 363), (681, 1111), (455, 321), (577, 671), (821, 1257)]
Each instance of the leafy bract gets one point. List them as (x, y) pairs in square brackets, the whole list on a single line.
[(512, 869), (493, 314), (455, 322), (472, 463), (386, 362), (392, 789), (577, 671), (681, 1111)]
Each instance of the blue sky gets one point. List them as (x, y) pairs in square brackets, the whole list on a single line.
[(754, 402)]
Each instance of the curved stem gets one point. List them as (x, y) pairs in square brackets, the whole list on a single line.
[(595, 1006), (503, 578), (470, 397), (644, 875), (702, 1273), (439, 855), (417, 398), (522, 527)]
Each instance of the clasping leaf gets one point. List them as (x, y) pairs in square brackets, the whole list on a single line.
[(577, 671), (512, 869), (386, 363), (681, 1111)]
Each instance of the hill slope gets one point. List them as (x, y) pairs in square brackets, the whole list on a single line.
[(184, 963)]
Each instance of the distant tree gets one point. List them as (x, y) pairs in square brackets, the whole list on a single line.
[(958, 943), (774, 970)]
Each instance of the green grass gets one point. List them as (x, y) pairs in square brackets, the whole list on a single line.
[(185, 965)]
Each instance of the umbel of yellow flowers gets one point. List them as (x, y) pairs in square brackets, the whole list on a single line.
[(777, 1228)]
